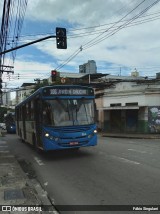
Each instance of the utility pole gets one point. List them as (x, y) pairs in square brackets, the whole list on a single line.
[(89, 75), (4, 67)]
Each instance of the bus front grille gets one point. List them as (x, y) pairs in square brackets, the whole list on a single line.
[(72, 129)]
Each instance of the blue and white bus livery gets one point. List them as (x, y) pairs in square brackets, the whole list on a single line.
[(58, 117)]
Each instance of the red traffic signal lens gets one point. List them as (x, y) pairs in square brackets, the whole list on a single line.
[(53, 73)]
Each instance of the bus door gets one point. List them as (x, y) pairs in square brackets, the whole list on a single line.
[(38, 121), (23, 120)]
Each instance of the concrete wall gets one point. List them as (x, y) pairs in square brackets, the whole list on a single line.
[(129, 95)]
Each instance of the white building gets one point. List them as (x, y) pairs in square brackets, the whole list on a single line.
[(129, 105), (89, 67), (6, 98), (23, 92)]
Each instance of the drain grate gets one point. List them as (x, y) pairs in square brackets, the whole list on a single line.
[(13, 194)]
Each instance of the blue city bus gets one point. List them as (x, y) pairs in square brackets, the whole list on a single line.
[(58, 117), (10, 123)]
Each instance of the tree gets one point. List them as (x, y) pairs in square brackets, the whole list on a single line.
[(39, 85)]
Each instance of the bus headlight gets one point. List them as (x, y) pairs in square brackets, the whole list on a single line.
[(95, 131), (90, 135), (46, 134)]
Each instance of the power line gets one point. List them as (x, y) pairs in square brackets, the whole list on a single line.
[(12, 21), (81, 47), (91, 41), (69, 58), (142, 20), (120, 27)]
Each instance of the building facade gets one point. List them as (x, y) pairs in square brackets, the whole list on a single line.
[(129, 106), (6, 98), (23, 92), (89, 67)]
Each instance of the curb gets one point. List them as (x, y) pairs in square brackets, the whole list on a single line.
[(42, 195), (132, 136), (17, 189)]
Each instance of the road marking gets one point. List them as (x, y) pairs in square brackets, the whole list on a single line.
[(134, 150), (129, 161), (8, 156), (3, 146), (4, 151), (39, 161), (126, 160), (3, 142)]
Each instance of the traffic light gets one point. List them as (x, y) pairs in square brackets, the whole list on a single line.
[(61, 38), (53, 75)]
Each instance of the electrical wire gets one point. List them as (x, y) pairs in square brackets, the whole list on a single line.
[(141, 19), (95, 41), (103, 31)]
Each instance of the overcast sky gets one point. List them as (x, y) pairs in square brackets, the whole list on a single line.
[(94, 33)]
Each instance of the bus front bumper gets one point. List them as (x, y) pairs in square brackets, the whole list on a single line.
[(58, 144)]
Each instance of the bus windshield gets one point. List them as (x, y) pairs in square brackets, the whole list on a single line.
[(68, 112)]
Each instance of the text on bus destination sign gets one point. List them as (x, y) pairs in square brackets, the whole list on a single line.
[(57, 91)]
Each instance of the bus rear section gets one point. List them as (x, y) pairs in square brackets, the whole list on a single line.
[(10, 123)]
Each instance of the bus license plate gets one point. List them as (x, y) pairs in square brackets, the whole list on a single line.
[(73, 143)]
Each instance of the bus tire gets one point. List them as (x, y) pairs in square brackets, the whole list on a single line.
[(35, 145), (20, 134)]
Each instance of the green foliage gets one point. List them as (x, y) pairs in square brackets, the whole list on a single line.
[(3, 110), (39, 85)]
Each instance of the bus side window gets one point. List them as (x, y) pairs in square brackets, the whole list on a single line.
[(37, 110), (47, 119), (32, 110)]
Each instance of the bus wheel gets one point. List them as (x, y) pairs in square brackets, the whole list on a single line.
[(21, 137), (35, 145), (75, 149)]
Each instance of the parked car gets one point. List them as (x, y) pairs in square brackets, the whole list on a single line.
[(3, 126)]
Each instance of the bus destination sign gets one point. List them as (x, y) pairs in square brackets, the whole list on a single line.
[(67, 91)]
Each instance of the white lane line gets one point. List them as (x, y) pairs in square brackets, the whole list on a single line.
[(129, 161), (3, 142), (39, 161), (134, 150), (4, 151), (8, 156), (46, 184), (126, 160)]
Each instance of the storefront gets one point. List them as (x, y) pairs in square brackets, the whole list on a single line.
[(136, 120), (123, 119)]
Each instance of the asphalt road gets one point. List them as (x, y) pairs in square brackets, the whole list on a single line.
[(115, 172)]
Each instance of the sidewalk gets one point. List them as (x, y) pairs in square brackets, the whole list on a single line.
[(17, 189), (135, 136)]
